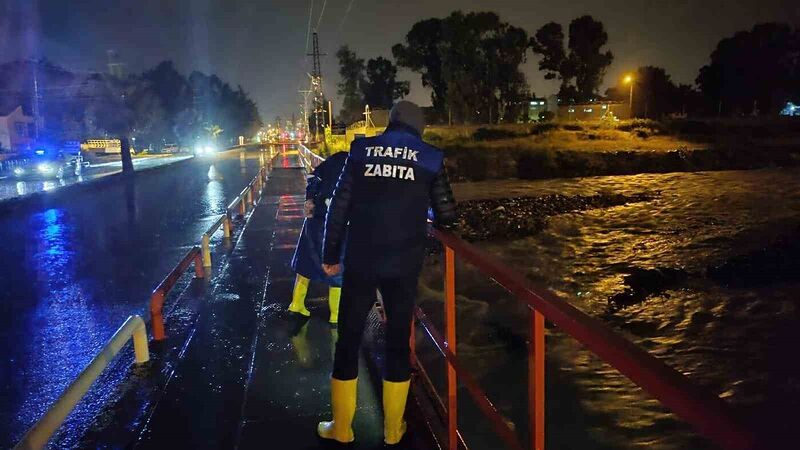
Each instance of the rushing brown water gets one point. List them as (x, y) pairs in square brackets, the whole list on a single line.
[(702, 276)]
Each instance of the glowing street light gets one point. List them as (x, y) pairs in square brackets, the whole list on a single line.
[(629, 80)]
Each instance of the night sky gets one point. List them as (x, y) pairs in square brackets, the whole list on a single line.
[(260, 43)]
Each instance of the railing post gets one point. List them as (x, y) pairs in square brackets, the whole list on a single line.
[(199, 271), (450, 335), (226, 225), (206, 250), (412, 343), (156, 318), (242, 206), (140, 349), (536, 380), (250, 196)]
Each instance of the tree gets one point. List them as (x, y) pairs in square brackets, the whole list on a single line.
[(150, 127), (421, 54), (381, 87), (549, 43), (754, 71), (351, 69), (585, 63), (505, 51), (470, 61), (655, 95), (170, 87)]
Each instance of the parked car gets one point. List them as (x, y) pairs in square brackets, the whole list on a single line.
[(45, 163)]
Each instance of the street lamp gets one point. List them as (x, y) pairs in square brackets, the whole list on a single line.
[(629, 80)]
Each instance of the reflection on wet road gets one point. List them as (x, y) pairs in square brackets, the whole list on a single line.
[(12, 187), (72, 271)]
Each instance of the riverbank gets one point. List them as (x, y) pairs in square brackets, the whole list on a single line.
[(691, 275), (565, 150)]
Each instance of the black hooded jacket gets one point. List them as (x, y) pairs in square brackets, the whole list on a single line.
[(386, 187)]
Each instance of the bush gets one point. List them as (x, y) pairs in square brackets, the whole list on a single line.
[(633, 124), (643, 133), (546, 116), (433, 138), (473, 164), (573, 127), (541, 128), (492, 134), (692, 127)]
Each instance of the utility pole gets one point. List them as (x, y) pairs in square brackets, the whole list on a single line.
[(36, 111), (630, 102), (304, 112), (316, 87)]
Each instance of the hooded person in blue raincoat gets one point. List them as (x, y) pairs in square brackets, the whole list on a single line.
[(307, 259)]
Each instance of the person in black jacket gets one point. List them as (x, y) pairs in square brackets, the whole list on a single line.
[(380, 207), (307, 259)]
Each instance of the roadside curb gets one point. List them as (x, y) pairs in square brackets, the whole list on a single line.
[(44, 198)]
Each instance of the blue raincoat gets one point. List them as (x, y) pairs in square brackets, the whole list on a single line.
[(307, 259)]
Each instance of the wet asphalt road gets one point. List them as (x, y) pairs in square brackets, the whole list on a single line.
[(73, 269), (11, 187)]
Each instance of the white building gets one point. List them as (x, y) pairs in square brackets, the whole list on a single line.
[(16, 130)]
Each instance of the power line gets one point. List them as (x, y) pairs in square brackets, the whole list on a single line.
[(321, 13), (344, 17), (308, 31)]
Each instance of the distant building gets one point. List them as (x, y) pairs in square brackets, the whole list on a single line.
[(378, 121), (536, 106), (593, 111), (16, 130)]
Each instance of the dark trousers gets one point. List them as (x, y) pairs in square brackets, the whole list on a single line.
[(358, 297)]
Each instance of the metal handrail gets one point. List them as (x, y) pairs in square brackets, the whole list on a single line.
[(165, 286), (39, 434), (134, 327), (247, 197), (707, 413), (309, 159)]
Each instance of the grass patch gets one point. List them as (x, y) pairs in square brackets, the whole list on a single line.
[(549, 150)]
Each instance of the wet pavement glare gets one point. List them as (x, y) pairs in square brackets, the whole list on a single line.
[(75, 268)]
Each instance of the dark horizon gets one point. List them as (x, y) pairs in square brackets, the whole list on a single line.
[(262, 46)]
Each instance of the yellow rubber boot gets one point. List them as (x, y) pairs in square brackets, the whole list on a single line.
[(334, 294), (343, 404), (298, 304), (395, 395)]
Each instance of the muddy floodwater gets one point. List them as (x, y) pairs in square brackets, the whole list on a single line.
[(702, 273)]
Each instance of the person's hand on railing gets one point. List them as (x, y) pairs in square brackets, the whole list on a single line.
[(332, 270), (308, 208)]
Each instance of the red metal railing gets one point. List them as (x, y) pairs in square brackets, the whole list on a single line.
[(166, 285), (201, 257), (707, 413)]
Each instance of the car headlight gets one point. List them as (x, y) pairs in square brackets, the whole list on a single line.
[(199, 150), (44, 168), (209, 149), (19, 171)]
